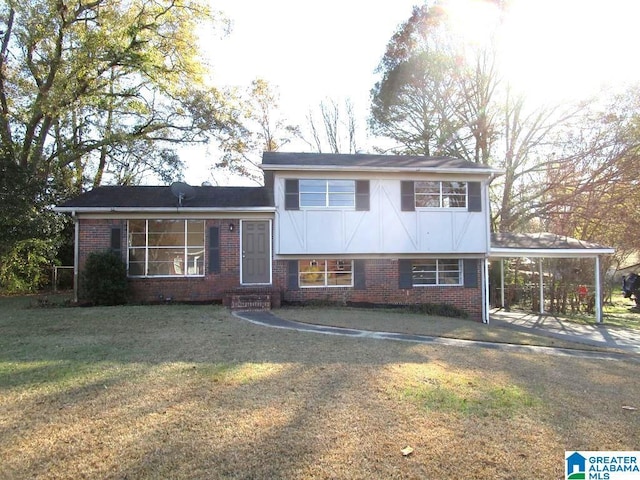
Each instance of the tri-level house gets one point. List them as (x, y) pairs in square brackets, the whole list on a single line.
[(351, 229)]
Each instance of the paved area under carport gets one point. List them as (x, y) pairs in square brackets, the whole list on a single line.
[(268, 319), (597, 335)]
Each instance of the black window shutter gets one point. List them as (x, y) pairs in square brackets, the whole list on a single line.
[(470, 269), (116, 240), (292, 275), (407, 200), (405, 274), (214, 250), (359, 279), (362, 195), (474, 190), (291, 197)]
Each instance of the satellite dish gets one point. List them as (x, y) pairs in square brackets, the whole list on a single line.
[(183, 191)]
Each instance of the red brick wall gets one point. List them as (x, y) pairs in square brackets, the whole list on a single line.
[(381, 277), (382, 288), (95, 235)]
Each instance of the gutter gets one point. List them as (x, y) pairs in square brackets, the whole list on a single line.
[(360, 169), (549, 252), (74, 210)]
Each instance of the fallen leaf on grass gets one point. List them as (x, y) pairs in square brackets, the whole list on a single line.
[(407, 450)]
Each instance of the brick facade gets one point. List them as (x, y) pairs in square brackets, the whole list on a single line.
[(381, 277), (381, 281)]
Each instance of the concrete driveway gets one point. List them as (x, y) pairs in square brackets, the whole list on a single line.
[(597, 335), (526, 323)]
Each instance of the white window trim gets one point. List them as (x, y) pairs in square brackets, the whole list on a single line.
[(440, 196), (326, 205), (438, 284), (325, 275), (185, 247)]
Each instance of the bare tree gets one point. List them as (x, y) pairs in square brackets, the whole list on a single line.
[(336, 131)]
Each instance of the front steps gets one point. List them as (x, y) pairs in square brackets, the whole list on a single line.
[(252, 299)]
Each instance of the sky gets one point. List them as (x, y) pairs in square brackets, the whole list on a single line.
[(311, 51)]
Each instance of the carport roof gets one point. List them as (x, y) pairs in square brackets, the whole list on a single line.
[(543, 245)]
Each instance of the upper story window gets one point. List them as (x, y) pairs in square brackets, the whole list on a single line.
[(440, 194), (166, 248), (327, 193)]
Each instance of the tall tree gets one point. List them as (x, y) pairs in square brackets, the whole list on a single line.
[(595, 195), (436, 92), (259, 125), (333, 127), (85, 84), (442, 95)]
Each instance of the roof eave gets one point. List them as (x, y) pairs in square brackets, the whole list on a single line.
[(549, 252), (162, 209), (360, 168)]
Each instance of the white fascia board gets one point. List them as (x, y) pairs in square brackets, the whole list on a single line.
[(549, 252), (162, 210), (334, 168)]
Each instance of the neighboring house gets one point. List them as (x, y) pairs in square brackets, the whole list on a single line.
[(352, 229)]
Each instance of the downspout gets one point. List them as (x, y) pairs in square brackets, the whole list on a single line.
[(485, 290), (76, 256), (485, 261)]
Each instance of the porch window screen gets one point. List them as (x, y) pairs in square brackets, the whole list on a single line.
[(165, 248)]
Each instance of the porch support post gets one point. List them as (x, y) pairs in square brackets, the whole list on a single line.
[(485, 290), (598, 299), (76, 257), (541, 281), (502, 282)]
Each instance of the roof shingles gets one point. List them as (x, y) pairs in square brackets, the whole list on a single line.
[(161, 197)]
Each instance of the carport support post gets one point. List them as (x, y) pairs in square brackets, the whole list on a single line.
[(598, 299), (502, 282), (541, 281)]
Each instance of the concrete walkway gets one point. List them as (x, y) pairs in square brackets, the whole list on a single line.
[(268, 319), (597, 335)]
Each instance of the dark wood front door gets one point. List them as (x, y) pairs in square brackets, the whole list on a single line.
[(256, 252)]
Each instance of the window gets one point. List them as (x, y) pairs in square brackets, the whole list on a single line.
[(325, 273), (327, 193), (438, 194), (437, 272), (166, 248)]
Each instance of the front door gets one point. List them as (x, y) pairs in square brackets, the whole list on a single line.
[(256, 252)]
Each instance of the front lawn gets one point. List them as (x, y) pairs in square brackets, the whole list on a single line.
[(177, 391)]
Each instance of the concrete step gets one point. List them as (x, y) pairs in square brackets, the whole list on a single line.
[(251, 301)]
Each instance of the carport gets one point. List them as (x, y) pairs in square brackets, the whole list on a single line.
[(545, 245)]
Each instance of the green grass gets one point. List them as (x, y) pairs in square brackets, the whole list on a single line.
[(619, 312), (459, 393)]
